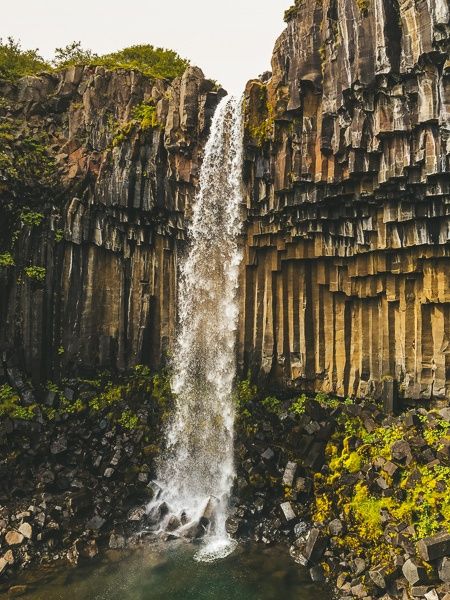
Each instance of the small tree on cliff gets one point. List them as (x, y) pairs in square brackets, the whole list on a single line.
[(15, 62)]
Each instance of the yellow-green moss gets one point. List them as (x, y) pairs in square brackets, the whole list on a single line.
[(35, 273), (425, 504), (6, 259)]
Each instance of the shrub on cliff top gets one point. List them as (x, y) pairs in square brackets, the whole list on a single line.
[(16, 63), (158, 63), (153, 62)]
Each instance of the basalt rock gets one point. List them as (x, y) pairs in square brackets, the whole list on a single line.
[(107, 216), (346, 275)]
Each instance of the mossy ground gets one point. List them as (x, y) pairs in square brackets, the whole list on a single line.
[(387, 501), (117, 400)]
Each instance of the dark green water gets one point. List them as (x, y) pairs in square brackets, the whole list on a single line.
[(170, 573)]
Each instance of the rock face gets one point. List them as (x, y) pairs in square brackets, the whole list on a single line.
[(123, 154), (346, 276)]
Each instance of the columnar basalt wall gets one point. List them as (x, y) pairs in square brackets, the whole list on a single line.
[(112, 224), (346, 277)]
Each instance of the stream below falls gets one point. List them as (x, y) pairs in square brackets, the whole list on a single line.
[(251, 572)]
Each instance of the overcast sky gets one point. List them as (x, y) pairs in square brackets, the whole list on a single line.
[(231, 40)]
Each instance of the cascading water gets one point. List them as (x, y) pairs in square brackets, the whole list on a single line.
[(197, 471)]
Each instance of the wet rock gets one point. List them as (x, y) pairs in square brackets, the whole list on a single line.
[(303, 485), (154, 489), (401, 451), (3, 564), (436, 546), (378, 579), (287, 511), (359, 591), (95, 523), (73, 555), (360, 566), (137, 514), (419, 591), (315, 546), (88, 549), (315, 458), (194, 530), (317, 574), (210, 508), (116, 541), (173, 523), (444, 569), (232, 525), (14, 538), (59, 445), (289, 474), (18, 590), (413, 572), (268, 454), (296, 551), (26, 530), (335, 527)]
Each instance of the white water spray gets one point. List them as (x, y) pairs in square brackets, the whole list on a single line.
[(197, 471)]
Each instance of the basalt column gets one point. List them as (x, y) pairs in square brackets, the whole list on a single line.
[(346, 283)]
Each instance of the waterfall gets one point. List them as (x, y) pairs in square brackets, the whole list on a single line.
[(197, 471)]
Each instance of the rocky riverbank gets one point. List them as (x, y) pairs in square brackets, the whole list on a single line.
[(362, 498), (77, 464)]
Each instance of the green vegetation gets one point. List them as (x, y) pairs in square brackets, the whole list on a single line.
[(271, 404), (6, 260), (128, 420), (157, 63), (72, 54), (292, 11), (298, 407), (31, 218), (25, 163), (145, 114), (117, 401), (16, 63), (363, 6), (35, 273), (245, 393), (420, 495), (260, 117), (10, 405), (28, 177), (143, 117)]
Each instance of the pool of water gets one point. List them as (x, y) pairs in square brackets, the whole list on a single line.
[(252, 572)]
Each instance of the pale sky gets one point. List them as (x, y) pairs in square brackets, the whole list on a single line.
[(230, 40)]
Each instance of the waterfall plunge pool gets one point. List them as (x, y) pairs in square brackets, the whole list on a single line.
[(169, 572)]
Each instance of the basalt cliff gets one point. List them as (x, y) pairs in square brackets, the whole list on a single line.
[(345, 279), (99, 168)]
